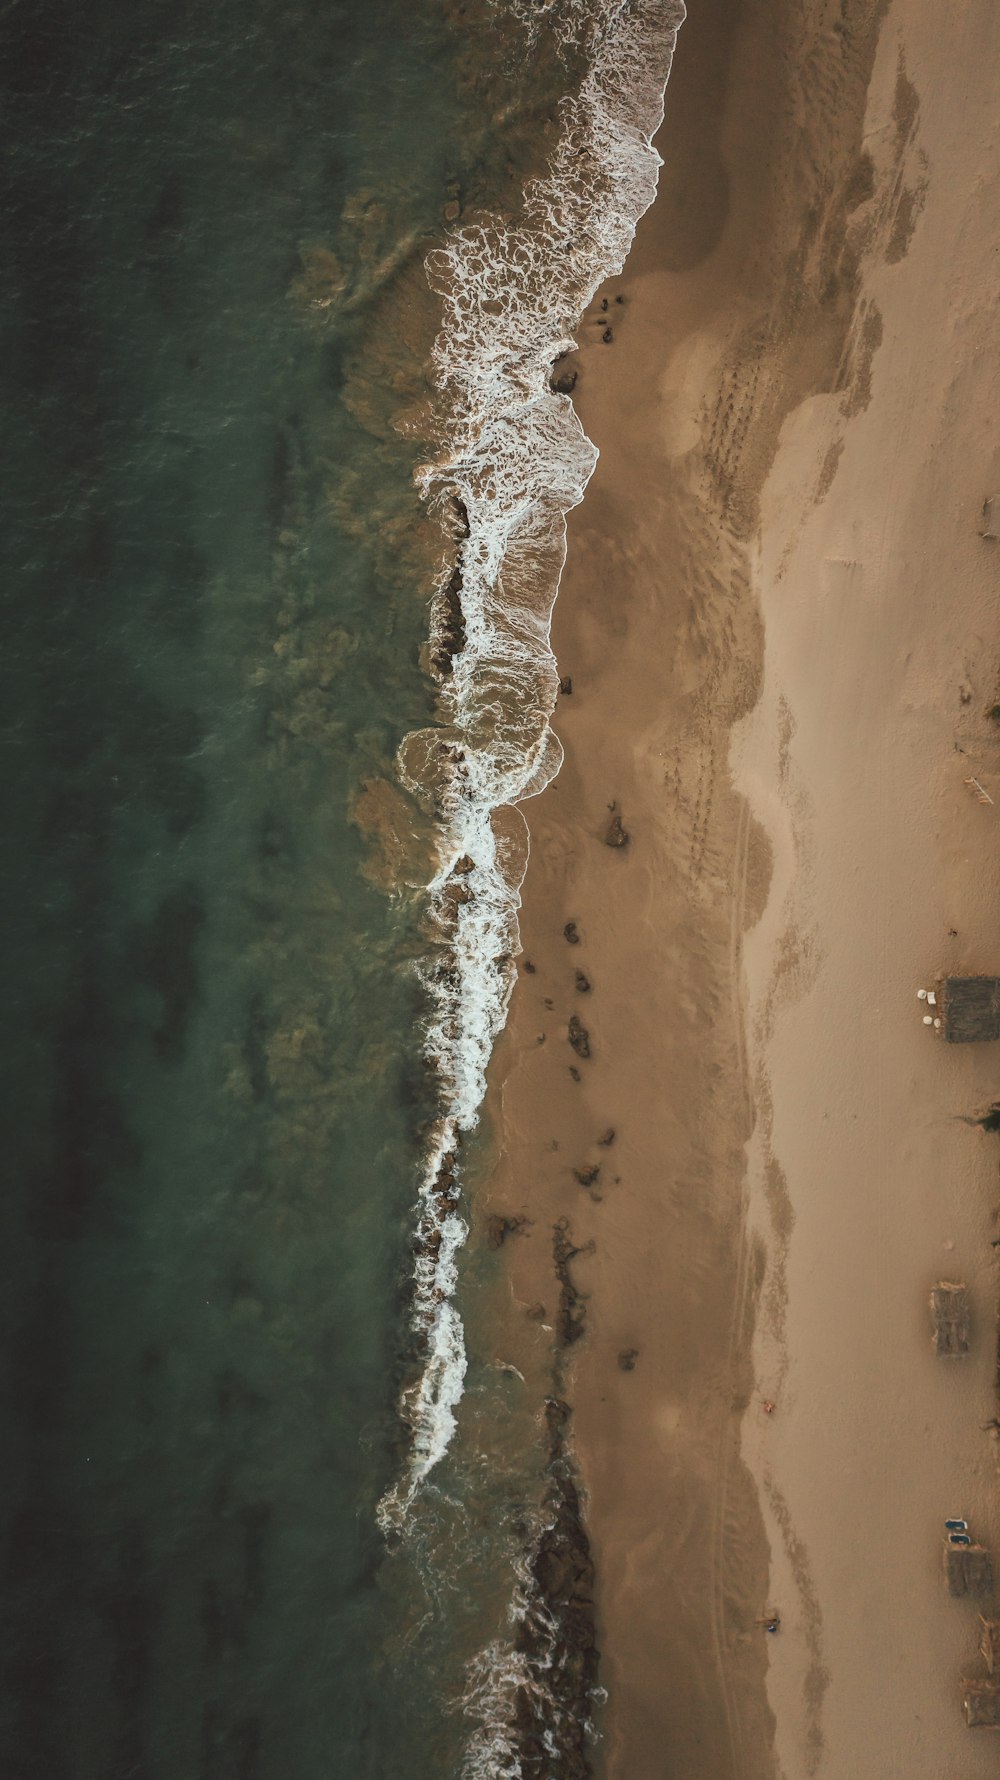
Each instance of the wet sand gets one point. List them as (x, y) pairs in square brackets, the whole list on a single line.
[(780, 625)]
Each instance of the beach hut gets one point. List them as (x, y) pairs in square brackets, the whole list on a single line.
[(950, 1319), (968, 1570), (970, 1009), (989, 1643), (989, 521), (981, 1700)]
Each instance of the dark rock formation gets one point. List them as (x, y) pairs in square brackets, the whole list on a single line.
[(572, 1310), (565, 1659), (570, 934), (579, 1037), (565, 383), (627, 1358), (498, 1228), (615, 835), (582, 983), (451, 210), (449, 639)]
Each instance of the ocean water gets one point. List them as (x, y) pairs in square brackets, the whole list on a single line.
[(286, 490)]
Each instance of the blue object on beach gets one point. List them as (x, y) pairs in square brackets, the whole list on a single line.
[(959, 1539), (957, 1526)]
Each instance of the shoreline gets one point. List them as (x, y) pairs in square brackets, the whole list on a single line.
[(746, 302), (508, 460)]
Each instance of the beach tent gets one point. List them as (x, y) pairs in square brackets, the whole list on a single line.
[(950, 1318), (989, 1643), (981, 1700), (968, 1570), (970, 1009)]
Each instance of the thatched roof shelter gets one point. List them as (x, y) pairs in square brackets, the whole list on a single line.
[(969, 1009), (981, 1700), (989, 1643), (950, 1318), (968, 1569)]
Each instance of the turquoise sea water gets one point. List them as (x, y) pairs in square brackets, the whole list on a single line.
[(215, 596)]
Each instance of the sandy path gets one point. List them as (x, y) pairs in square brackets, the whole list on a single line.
[(784, 1156)]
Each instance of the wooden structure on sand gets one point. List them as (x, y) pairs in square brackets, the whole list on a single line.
[(981, 1700), (950, 1319), (968, 1570), (969, 1009)]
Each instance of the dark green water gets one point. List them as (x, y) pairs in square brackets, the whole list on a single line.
[(210, 1065), (216, 328)]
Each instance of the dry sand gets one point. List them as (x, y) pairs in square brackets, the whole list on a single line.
[(781, 626)]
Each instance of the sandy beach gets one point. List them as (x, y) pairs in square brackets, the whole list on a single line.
[(779, 621)]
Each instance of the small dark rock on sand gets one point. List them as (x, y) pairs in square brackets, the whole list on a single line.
[(565, 383), (570, 934), (615, 834), (528, 967), (607, 1137), (627, 1358), (587, 1176), (575, 1073), (566, 685), (579, 1037), (582, 983), (607, 336), (498, 1228), (536, 1313)]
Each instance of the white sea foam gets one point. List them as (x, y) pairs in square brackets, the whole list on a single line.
[(512, 459), (500, 1676)]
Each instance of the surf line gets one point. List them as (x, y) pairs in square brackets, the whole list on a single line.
[(510, 461)]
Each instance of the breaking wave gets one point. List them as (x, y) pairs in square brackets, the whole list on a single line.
[(510, 460)]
